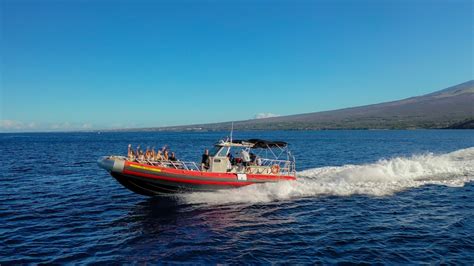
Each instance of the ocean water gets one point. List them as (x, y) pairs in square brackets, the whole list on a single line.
[(361, 196)]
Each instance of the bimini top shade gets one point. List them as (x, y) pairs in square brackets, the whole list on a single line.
[(262, 144)]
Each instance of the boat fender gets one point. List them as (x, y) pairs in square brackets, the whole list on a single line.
[(275, 169)]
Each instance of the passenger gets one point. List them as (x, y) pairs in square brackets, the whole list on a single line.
[(229, 162), (231, 158), (137, 153), (245, 157), (150, 155), (158, 156), (153, 154), (130, 153), (238, 160), (253, 158), (205, 160), (259, 161), (173, 157), (147, 153), (165, 156)]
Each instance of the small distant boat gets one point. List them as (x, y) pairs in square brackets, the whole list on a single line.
[(223, 171)]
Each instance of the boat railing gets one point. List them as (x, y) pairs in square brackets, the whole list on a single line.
[(286, 166), (171, 164)]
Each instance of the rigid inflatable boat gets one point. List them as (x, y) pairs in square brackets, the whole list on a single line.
[(223, 170)]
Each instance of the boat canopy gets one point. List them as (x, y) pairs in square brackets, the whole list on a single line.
[(262, 144)]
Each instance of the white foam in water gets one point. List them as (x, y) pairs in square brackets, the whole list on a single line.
[(382, 178)]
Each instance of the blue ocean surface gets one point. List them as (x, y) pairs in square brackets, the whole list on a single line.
[(361, 196)]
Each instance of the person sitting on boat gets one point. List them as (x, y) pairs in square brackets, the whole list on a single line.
[(238, 161), (173, 157), (205, 160), (253, 158), (158, 156), (137, 153), (150, 155), (147, 153), (153, 154), (245, 157), (166, 156), (130, 153)]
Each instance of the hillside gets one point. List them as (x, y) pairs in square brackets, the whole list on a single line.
[(442, 109)]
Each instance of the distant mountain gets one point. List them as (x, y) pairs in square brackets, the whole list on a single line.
[(468, 124), (448, 108)]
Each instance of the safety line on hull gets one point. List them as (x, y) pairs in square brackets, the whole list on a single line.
[(144, 168)]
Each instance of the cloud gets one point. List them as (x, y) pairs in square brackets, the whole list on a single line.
[(12, 125), (19, 126), (67, 126), (86, 126), (59, 126), (265, 115)]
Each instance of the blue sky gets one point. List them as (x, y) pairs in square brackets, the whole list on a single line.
[(102, 64)]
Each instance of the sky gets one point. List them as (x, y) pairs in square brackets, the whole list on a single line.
[(83, 64)]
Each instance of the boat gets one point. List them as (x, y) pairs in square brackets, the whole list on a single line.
[(227, 168)]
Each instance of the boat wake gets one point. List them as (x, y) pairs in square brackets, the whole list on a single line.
[(381, 178)]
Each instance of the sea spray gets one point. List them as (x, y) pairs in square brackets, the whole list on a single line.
[(381, 178)]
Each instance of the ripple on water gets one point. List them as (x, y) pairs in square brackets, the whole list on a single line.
[(413, 207)]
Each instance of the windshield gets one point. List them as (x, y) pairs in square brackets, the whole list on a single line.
[(214, 150), (219, 151)]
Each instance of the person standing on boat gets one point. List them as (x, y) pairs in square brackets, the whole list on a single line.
[(205, 160), (230, 160), (245, 157)]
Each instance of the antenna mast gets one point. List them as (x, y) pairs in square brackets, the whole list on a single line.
[(231, 131)]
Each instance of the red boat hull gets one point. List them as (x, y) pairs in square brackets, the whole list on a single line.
[(154, 180)]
